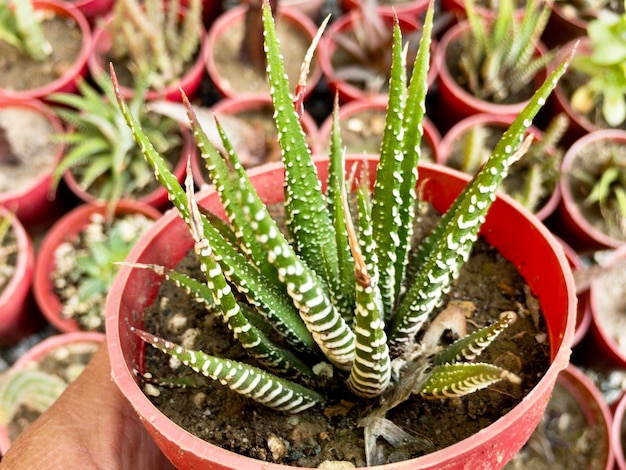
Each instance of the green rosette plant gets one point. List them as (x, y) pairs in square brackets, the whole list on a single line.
[(349, 294)]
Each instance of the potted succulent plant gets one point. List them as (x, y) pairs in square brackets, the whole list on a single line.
[(76, 261), (102, 163), (570, 18), (355, 53), (43, 45), (593, 92), (235, 61), (363, 354), (404, 8), (28, 156), (533, 180), (160, 40), (17, 264), (575, 430), (491, 65), (593, 205), (37, 379)]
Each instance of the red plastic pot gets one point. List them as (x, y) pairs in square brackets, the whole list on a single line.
[(37, 353), (67, 81), (498, 120), (189, 82), (18, 315), (67, 228), (456, 103), (432, 138), (518, 236), (559, 102), (583, 311), (344, 25), (457, 7), (32, 202), (230, 19), (252, 103), (617, 434), (158, 197), (573, 226), (408, 8), (562, 28), (93, 9), (311, 8), (601, 298)]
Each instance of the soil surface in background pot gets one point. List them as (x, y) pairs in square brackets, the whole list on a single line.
[(18, 72), (590, 163), (564, 439), (611, 305), (25, 149), (242, 77), (222, 417), (65, 362)]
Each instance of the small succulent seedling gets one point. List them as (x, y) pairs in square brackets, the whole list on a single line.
[(338, 290), (159, 44), (20, 26), (103, 156), (498, 55), (538, 168), (8, 248), (604, 69), (86, 267)]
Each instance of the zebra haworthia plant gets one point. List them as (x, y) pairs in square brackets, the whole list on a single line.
[(333, 291)]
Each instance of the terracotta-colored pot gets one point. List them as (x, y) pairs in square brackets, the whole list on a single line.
[(573, 226), (453, 101), (617, 433), (601, 300), (189, 82), (498, 120), (67, 228), (37, 353), (156, 198), (344, 25), (18, 315), (235, 16), (67, 81), (543, 265), (408, 8), (432, 138), (248, 103), (32, 202)]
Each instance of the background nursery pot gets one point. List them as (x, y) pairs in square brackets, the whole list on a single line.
[(64, 229), (224, 65), (575, 226), (66, 81), (544, 268), (607, 303), (585, 442), (618, 434), (37, 354), (18, 317), (189, 82), (454, 101), (29, 125)]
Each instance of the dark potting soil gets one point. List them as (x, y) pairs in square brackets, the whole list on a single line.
[(18, 72), (564, 439), (215, 413)]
